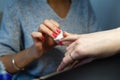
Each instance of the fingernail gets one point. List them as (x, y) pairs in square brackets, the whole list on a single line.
[(60, 43), (58, 30), (54, 35)]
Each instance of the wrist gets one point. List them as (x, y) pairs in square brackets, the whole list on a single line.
[(34, 52), (14, 64)]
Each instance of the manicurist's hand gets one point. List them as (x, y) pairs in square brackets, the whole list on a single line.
[(43, 39), (87, 47)]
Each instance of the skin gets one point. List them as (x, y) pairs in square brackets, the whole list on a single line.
[(43, 41), (61, 7), (85, 48)]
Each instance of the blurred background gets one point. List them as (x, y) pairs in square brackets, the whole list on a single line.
[(107, 11)]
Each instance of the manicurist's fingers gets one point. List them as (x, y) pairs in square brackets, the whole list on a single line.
[(51, 25), (37, 35), (47, 31)]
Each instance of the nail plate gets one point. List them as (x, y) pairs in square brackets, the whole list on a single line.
[(54, 35), (58, 30), (60, 43)]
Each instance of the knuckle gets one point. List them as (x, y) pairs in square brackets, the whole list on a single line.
[(46, 21), (56, 23), (41, 27), (80, 51), (32, 34), (77, 50)]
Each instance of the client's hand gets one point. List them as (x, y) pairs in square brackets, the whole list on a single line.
[(87, 47)]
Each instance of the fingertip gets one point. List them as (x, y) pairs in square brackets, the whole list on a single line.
[(37, 35), (60, 67), (65, 34), (33, 34)]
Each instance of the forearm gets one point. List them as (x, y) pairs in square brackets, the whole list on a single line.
[(115, 37), (109, 43), (22, 59)]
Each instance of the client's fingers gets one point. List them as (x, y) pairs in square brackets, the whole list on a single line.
[(70, 37), (83, 61), (69, 51), (55, 23), (67, 60), (47, 31)]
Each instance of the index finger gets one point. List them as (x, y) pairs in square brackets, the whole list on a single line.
[(71, 37), (65, 63)]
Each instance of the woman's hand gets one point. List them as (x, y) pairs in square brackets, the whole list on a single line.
[(43, 39), (87, 47)]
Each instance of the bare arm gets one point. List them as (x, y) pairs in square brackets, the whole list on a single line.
[(22, 59), (93, 45), (42, 43)]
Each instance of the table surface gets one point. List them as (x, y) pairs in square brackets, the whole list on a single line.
[(104, 69)]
